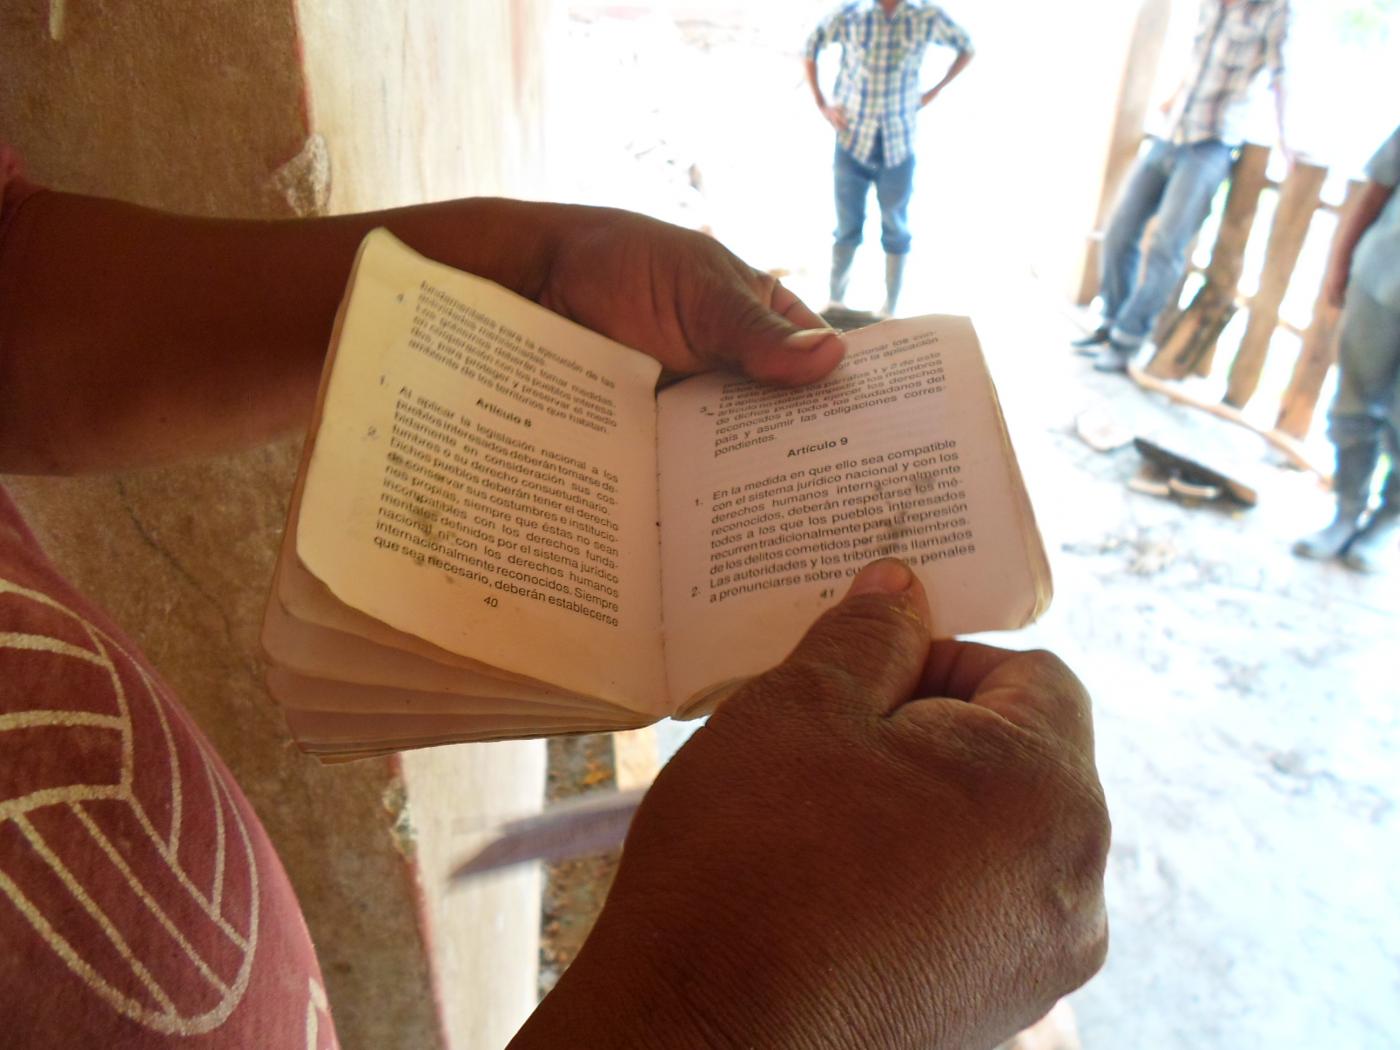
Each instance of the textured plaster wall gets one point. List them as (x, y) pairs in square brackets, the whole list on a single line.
[(175, 105), (263, 108)]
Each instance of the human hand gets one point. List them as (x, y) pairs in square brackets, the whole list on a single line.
[(835, 116), (928, 96), (683, 298), (882, 842)]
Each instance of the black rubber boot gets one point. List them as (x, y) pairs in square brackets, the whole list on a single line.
[(1369, 549), (1352, 484)]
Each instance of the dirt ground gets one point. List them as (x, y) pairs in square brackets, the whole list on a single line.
[(1248, 722), (1247, 702)]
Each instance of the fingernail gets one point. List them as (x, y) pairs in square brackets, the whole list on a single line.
[(810, 339), (886, 576)]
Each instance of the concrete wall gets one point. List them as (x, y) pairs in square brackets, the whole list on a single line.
[(266, 108)]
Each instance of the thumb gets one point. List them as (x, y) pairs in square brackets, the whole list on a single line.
[(779, 339), (793, 356), (865, 656)]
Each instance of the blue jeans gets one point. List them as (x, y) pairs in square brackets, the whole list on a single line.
[(1176, 185), (893, 188)]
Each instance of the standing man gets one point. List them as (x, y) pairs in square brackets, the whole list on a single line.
[(1363, 277), (877, 102), (1176, 179)]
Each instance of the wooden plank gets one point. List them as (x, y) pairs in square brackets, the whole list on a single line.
[(1319, 346), (1297, 201), (1198, 464), (636, 757), (1191, 340), (1134, 98), (1198, 451), (1285, 443)]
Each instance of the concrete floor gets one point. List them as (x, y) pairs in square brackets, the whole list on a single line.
[(1247, 704), (1248, 720)]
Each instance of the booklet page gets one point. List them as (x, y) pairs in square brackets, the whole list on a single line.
[(483, 477), (773, 499)]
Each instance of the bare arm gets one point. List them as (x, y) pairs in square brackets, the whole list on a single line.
[(1368, 208), (1279, 88), (132, 336), (958, 65), (834, 114), (1275, 39), (1169, 102), (810, 65)]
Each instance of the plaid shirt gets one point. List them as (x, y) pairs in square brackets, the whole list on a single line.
[(1232, 45), (878, 86)]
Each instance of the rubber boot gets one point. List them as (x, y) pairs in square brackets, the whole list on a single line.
[(842, 255), (894, 281), (1352, 484), (1368, 550)]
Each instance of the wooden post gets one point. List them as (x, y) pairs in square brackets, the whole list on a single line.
[(1319, 347), (1191, 340), (636, 757), (1134, 96), (1298, 199)]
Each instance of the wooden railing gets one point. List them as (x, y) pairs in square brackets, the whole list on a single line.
[(1187, 337)]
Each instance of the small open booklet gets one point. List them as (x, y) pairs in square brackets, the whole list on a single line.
[(500, 528)]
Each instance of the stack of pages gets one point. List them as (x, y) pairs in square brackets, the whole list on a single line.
[(500, 529)]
